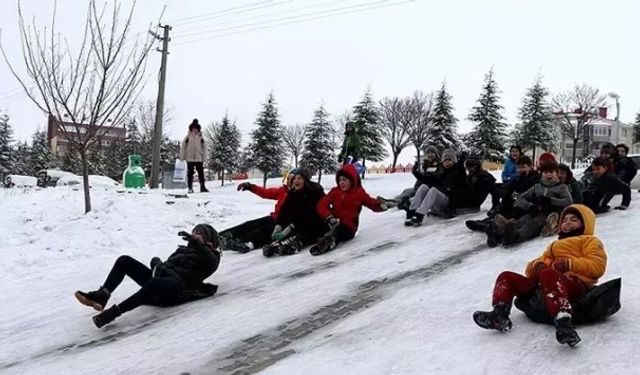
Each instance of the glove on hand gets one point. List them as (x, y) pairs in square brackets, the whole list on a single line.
[(332, 222), (280, 234), (244, 186), (561, 265)]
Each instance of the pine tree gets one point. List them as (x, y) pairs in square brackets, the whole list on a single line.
[(7, 157), (319, 148), (116, 160), (443, 131), (368, 127), (41, 156), (636, 129), (22, 153), (536, 130), (490, 129), (267, 148), (224, 147), (71, 162)]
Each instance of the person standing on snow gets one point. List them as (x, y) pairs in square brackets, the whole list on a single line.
[(256, 233), (193, 150), (177, 280), (341, 208), (298, 223), (565, 271), (350, 145)]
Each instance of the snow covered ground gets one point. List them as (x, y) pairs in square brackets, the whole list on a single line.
[(395, 300)]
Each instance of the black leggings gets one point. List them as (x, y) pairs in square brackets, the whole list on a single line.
[(157, 291), (190, 170), (257, 231), (343, 233)]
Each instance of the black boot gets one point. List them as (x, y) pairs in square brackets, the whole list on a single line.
[(107, 316), (203, 189), (493, 235), (324, 245), (497, 319), (270, 249), (565, 331), (478, 225), (290, 246), (96, 299)]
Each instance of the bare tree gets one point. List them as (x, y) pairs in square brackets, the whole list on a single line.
[(293, 137), (575, 110), (144, 114), (418, 119), (395, 129), (89, 89)]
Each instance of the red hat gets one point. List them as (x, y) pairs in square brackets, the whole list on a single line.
[(546, 156)]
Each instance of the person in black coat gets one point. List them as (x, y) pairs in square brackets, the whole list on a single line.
[(426, 173), (604, 187), (479, 184), (177, 280), (625, 168), (298, 224)]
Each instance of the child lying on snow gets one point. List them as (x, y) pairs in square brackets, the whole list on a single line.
[(341, 209), (177, 280), (565, 271)]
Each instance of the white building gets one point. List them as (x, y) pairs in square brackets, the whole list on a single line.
[(602, 130)]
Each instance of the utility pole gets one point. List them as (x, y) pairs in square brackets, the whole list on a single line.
[(157, 129)]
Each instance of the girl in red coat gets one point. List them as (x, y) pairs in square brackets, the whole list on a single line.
[(341, 209)]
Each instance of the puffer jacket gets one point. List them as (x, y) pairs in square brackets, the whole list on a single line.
[(427, 173), (193, 148), (190, 265), (558, 194), (278, 194), (346, 205), (479, 186), (510, 170), (299, 209), (586, 253)]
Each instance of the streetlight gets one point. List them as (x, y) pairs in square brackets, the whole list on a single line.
[(617, 97)]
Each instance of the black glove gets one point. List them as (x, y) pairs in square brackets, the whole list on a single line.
[(534, 210), (244, 186), (155, 261), (621, 208)]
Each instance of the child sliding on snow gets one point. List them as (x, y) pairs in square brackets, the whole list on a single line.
[(565, 271), (177, 280), (341, 209)]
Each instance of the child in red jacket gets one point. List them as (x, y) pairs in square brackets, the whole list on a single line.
[(341, 209)]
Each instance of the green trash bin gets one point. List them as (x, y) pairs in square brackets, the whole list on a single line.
[(133, 176)]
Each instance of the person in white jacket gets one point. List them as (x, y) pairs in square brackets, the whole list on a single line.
[(194, 151)]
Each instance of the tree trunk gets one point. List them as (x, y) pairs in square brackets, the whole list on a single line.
[(264, 180), (364, 167), (395, 161), (319, 175), (222, 179), (85, 180), (573, 156), (533, 154), (296, 160)]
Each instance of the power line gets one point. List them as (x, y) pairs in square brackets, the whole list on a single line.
[(182, 33), (235, 10), (295, 19)]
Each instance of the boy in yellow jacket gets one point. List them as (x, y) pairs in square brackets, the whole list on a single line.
[(565, 271)]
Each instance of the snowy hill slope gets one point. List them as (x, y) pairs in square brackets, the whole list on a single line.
[(395, 300)]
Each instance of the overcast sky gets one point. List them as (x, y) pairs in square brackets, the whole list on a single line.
[(395, 49)]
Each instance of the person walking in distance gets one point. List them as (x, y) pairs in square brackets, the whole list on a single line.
[(193, 150)]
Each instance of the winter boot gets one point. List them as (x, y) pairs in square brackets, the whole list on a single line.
[(506, 230), (290, 246), (478, 225), (190, 191), (107, 316), (404, 204), (550, 225), (565, 331), (496, 319), (96, 299), (228, 242), (270, 250), (203, 189), (324, 245), (415, 220)]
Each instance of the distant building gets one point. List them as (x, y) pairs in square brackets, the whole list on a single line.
[(57, 135), (602, 130)]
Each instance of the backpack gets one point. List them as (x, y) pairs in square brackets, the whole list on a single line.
[(596, 305)]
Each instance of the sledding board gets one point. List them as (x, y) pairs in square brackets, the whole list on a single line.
[(599, 303)]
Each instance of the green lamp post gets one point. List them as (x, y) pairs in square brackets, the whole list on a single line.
[(133, 176)]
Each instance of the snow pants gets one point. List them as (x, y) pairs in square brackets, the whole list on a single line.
[(528, 227), (257, 231), (198, 166), (157, 291), (558, 289), (429, 199)]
